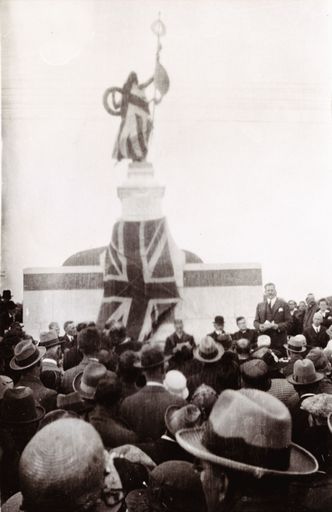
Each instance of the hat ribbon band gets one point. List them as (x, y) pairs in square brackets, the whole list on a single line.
[(295, 348), (208, 356), (89, 390), (238, 449), (28, 360)]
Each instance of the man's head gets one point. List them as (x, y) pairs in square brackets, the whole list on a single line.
[(323, 304), (69, 327), (153, 363), (310, 299), (127, 369), (219, 323), (241, 323), (292, 305), (317, 319), (270, 290), (54, 326), (178, 326), (11, 307), (302, 305), (89, 341)]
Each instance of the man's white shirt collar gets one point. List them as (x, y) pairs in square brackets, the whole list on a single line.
[(154, 383)]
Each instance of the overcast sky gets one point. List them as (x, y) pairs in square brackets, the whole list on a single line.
[(242, 140)]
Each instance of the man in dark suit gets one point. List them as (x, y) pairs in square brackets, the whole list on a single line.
[(316, 335), (144, 411), (178, 338), (310, 311), (219, 335), (244, 331), (273, 318), (7, 317), (71, 355)]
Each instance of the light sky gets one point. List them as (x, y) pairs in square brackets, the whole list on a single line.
[(242, 141)]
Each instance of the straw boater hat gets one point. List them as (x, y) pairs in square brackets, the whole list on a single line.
[(26, 355), (62, 467), (208, 351), (304, 373), (250, 431), (296, 344)]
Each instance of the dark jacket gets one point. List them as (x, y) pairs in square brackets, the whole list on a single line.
[(248, 334), (224, 339), (173, 340), (280, 315), (296, 325), (315, 339), (44, 396), (112, 430), (308, 315), (144, 411), (208, 374), (51, 374)]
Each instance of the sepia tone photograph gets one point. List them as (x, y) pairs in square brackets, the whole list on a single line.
[(165, 283)]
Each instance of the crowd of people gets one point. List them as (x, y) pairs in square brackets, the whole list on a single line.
[(95, 421)]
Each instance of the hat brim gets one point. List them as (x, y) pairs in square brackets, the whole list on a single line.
[(329, 422), (301, 461), (40, 415), (319, 376), (50, 344), (138, 364), (303, 349), (77, 387), (14, 366), (219, 355)]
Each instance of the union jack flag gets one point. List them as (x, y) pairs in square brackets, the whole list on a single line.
[(139, 282)]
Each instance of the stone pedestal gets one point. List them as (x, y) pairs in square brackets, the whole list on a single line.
[(74, 291)]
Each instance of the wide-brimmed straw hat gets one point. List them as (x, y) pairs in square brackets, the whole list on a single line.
[(86, 382), (304, 373), (177, 417), (151, 357), (250, 431), (296, 344), (208, 351), (26, 354), (62, 467)]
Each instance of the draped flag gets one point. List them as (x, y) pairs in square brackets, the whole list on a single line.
[(139, 280)]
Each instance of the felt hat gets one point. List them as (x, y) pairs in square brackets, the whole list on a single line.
[(319, 358), (62, 467), (250, 431), (18, 407), (177, 417), (208, 351), (304, 373), (5, 383), (174, 486), (318, 405), (151, 356), (49, 339), (254, 371), (86, 381), (204, 398), (26, 354), (296, 344), (176, 384), (219, 320)]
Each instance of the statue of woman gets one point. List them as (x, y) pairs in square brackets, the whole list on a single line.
[(136, 125)]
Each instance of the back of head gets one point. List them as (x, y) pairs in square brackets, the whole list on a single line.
[(255, 374), (108, 390), (229, 371), (89, 340), (62, 468), (127, 369)]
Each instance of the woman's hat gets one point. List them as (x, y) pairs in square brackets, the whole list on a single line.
[(151, 356), (296, 344), (49, 339), (318, 405), (176, 384), (18, 407), (62, 467), (86, 382), (304, 373), (249, 430), (204, 398), (177, 417), (320, 359), (26, 354), (208, 351)]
